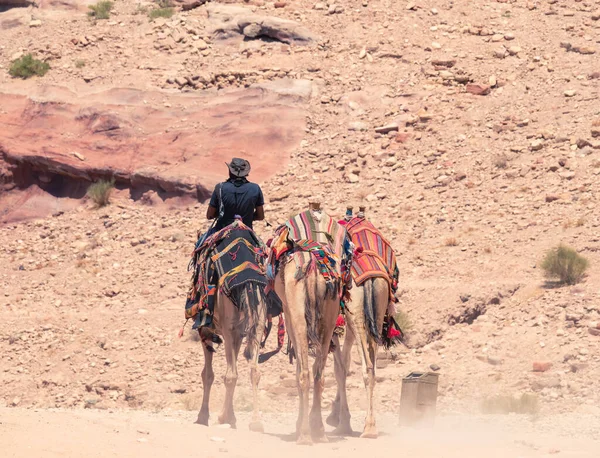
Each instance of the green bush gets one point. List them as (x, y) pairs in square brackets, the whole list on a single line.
[(165, 12), (101, 10), (26, 67), (100, 192), (80, 63), (565, 264)]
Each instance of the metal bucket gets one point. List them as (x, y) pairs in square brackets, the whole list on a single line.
[(418, 399)]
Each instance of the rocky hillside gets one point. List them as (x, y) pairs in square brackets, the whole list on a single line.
[(471, 130)]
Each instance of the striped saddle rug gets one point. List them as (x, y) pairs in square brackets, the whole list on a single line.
[(231, 261), (315, 241), (373, 255)]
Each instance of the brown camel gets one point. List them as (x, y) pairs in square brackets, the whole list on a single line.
[(368, 304), (229, 268), (370, 319), (311, 304), (229, 322)]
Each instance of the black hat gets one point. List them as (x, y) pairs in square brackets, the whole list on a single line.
[(239, 167)]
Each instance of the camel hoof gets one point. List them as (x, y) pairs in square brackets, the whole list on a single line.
[(257, 427), (227, 421), (321, 439), (304, 439), (202, 420), (342, 430), (333, 419), (371, 434)]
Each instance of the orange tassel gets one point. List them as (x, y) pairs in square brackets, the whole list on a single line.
[(180, 335)]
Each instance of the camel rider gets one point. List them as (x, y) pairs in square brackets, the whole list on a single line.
[(236, 196)]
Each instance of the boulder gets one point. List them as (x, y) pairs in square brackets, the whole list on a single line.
[(478, 89), (16, 3), (187, 5), (233, 21)]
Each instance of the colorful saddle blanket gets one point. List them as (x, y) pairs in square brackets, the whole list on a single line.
[(373, 256), (314, 240), (231, 261)]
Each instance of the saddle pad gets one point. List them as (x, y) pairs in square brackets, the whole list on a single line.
[(374, 256)]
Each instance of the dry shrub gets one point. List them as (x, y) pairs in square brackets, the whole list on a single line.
[(403, 321), (525, 404), (101, 10), (157, 405), (82, 263), (192, 401), (579, 222), (451, 241), (501, 161), (565, 264), (164, 10), (100, 192)]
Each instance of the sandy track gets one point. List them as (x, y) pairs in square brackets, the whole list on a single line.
[(95, 433)]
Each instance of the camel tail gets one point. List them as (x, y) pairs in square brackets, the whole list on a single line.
[(312, 309), (249, 298), (370, 309)]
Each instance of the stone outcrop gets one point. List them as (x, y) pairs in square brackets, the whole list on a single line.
[(178, 148), (234, 21)]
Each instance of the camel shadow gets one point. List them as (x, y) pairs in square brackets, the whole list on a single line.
[(552, 284), (264, 357), (292, 437)]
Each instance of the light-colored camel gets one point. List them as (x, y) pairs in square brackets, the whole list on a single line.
[(233, 323), (364, 323), (311, 307), (311, 314)]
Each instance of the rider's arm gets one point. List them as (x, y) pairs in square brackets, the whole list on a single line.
[(211, 212), (259, 209), (259, 213)]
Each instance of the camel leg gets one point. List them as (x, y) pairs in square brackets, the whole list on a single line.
[(341, 367), (329, 315), (208, 377), (369, 347), (349, 341), (254, 344), (233, 342), (256, 423), (293, 307), (300, 345), (334, 417), (292, 295), (370, 430), (316, 421)]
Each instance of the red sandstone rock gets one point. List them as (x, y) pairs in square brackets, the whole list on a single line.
[(181, 151), (539, 366), (478, 89), (403, 137)]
